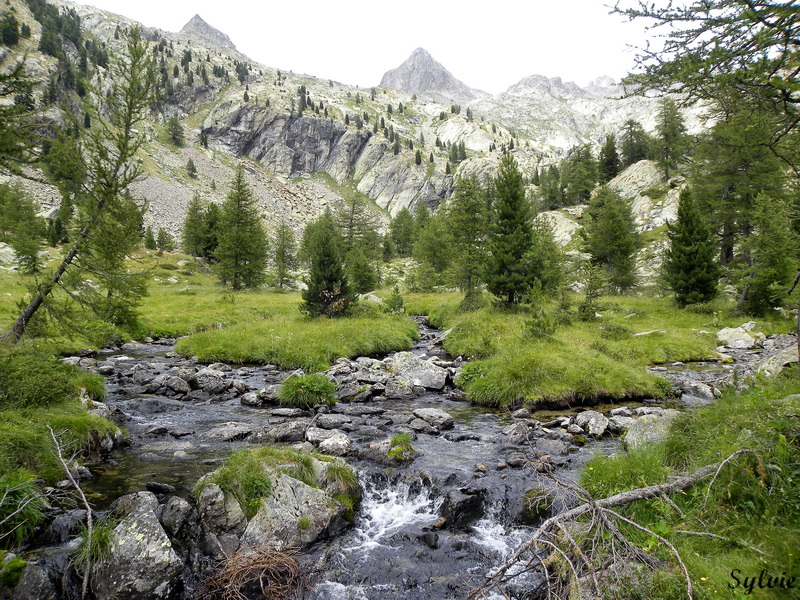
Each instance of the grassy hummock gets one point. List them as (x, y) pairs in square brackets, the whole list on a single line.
[(752, 506), (581, 360), (306, 391)]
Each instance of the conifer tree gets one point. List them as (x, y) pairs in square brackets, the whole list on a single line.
[(164, 241), (579, 175), (192, 233), (671, 136), (284, 255), (328, 291), (611, 238), (468, 223), (690, 263), (609, 162), (401, 230), (634, 143), (149, 239), (242, 250), (433, 250), (361, 272), (507, 274)]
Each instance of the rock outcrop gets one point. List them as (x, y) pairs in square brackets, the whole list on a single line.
[(198, 29), (421, 74)]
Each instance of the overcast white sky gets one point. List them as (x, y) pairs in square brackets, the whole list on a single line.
[(487, 45)]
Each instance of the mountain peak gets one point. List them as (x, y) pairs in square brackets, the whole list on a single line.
[(423, 75), (199, 29)]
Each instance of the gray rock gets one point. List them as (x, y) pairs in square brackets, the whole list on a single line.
[(775, 362), (740, 337), (229, 432), (619, 424), (412, 370), (141, 561), (421, 426), (178, 385), (293, 431), (622, 411), (517, 433), (291, 413), (517, 460), (175, 516), (398, 390), (575, 429), (437, 418), (252, 399), (461, 510), (522, 413), (220, 512), (552, 447), (315, 435), (333, 421), (293, 516), (592, 422), (336, 445), (648, 430)]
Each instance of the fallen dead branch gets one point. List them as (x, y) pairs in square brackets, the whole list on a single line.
[(250, 571), (553, 530)]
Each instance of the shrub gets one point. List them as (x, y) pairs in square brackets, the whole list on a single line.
[(394, 303), (306, 391)]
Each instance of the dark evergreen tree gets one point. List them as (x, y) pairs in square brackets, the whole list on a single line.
[(191, 169), (164, 241), (284, 255), (579, 175), (20, 227), (611, 238), (609, 162), (361, 271), (690, 266), (193, 231), (149, 239), (242, 249), (671, 136), (634, 143), (418, 158), (402, 230), (210, 233), (433, 251), (328, 291), (468, 223), (175, 131), (507, 274)]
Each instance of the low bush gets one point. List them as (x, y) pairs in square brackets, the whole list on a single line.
[(306, 391)]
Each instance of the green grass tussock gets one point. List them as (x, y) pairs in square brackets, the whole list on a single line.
[(602, 358), (307, 391), (754, 503), (299, 342), (20, 496)]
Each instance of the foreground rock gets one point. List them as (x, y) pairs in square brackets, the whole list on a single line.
[(141, 562), (649, 429)]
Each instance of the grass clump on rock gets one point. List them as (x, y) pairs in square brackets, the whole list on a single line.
[(244, 477), (307, 391), (400, 448)]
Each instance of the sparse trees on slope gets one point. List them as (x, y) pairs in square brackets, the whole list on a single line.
[(507, 274), (690, 263), (242, 250)]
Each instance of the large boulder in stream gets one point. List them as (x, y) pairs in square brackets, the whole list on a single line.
[(294, 515), (412, 370), (141, 562)]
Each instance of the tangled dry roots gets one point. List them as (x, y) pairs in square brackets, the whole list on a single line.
[(275, 575)]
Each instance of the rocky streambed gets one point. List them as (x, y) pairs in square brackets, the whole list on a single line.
[(427, 527)]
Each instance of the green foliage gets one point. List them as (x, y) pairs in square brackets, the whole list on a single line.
[(20, 227), (507, 275), (635, 143), (400, 448), (175, 131), (394, 303), (361, 272), (11, 571), (611, 238), (284, 253), (241, 252), (193, 230), (328, 291), (21, 510), (690, 262), (164, 241), (468, 224), (671, 139), (403, 231), (307, 391), (95, 549), (149, 239), (433, 249), (244, 476), (579, 174), (609, 163)]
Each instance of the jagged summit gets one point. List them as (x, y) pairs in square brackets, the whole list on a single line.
[(198, 28), (423, 75)]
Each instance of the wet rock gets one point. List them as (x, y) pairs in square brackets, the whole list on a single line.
[(348, 391), (178, 385), (106, 370), (333, 421), (223, 519), (412, 370), (536, 503), (648, 430), (517, 460), (141, 562), (398, 390), (336, 445), (517, 433), (522, 413), (461, 437), (552, 447), (293, 516), (359, 410), (482, 467), (159, 488), (252, 399), (430, 539), (575, 429), (458, 395), (179, 433), (218, 366), (35, 583), (619, 425), (292, 431), (622, 411), (176, 516), (437, 418), (229, 432), (315, 435), (291, 413), (460, 509), (156, 430), (421, 426), (592, 422)]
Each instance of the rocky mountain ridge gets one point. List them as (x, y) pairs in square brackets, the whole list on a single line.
[(198, 29)]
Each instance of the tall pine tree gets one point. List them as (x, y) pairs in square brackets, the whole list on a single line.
[(192, 234), (671, 136), (507, 274), (690, 263), (284, 254), (611, 238), (328, 291), (468, 223), (242, 250), (609, 163)]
